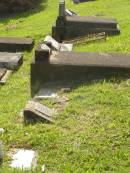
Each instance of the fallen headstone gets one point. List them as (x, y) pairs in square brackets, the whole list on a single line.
[(10, 61), (24, 159), (1, 152), (62, 66), (54, 45), (14, 44), (35, 111)]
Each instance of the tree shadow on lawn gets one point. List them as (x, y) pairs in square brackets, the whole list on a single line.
[(6, 17)]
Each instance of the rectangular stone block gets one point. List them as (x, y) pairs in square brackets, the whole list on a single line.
[(78, 66), (14, 44), (10, 61)]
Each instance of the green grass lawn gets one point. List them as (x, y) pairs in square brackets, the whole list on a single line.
[(92, 134)]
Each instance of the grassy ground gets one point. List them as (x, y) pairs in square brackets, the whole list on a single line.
[(92, 134)]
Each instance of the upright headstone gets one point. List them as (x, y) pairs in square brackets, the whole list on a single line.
[(62, 8)]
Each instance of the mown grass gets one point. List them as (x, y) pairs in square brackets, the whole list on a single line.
[(92, 134)]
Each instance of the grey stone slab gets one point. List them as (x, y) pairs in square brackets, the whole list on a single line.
[(10, 61), (65, 66), (35, 111), (90, 59), (14, 44)]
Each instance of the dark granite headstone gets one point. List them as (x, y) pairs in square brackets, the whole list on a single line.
[(14, 44), (10, 61), (68, 27)]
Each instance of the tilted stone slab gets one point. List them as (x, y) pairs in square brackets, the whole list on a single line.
[(35, 111), (2, 72), (10, 61), (14, 44), (77, 66)]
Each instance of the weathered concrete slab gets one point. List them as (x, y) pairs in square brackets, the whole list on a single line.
[(24, 159), (35, 111), (14, 44), (77, 66), (10, 61)]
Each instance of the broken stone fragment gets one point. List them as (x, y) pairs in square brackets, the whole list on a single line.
[(70, 13), (54, 45), (35, 111), (1, 152), (24, 159)]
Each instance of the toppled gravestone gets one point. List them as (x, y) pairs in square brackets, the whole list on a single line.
[(53, 44), (24, 159), (14, 44), (62, 66), (35, 111), (68, 27), (10, 61)]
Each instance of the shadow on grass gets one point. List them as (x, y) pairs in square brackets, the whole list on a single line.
[(6, 17)]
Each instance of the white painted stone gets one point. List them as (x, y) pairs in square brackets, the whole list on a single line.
[(43, 168), (66, 47), (24, 159), (45, 93), (70, 13), (52, 42), (2, 130)]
